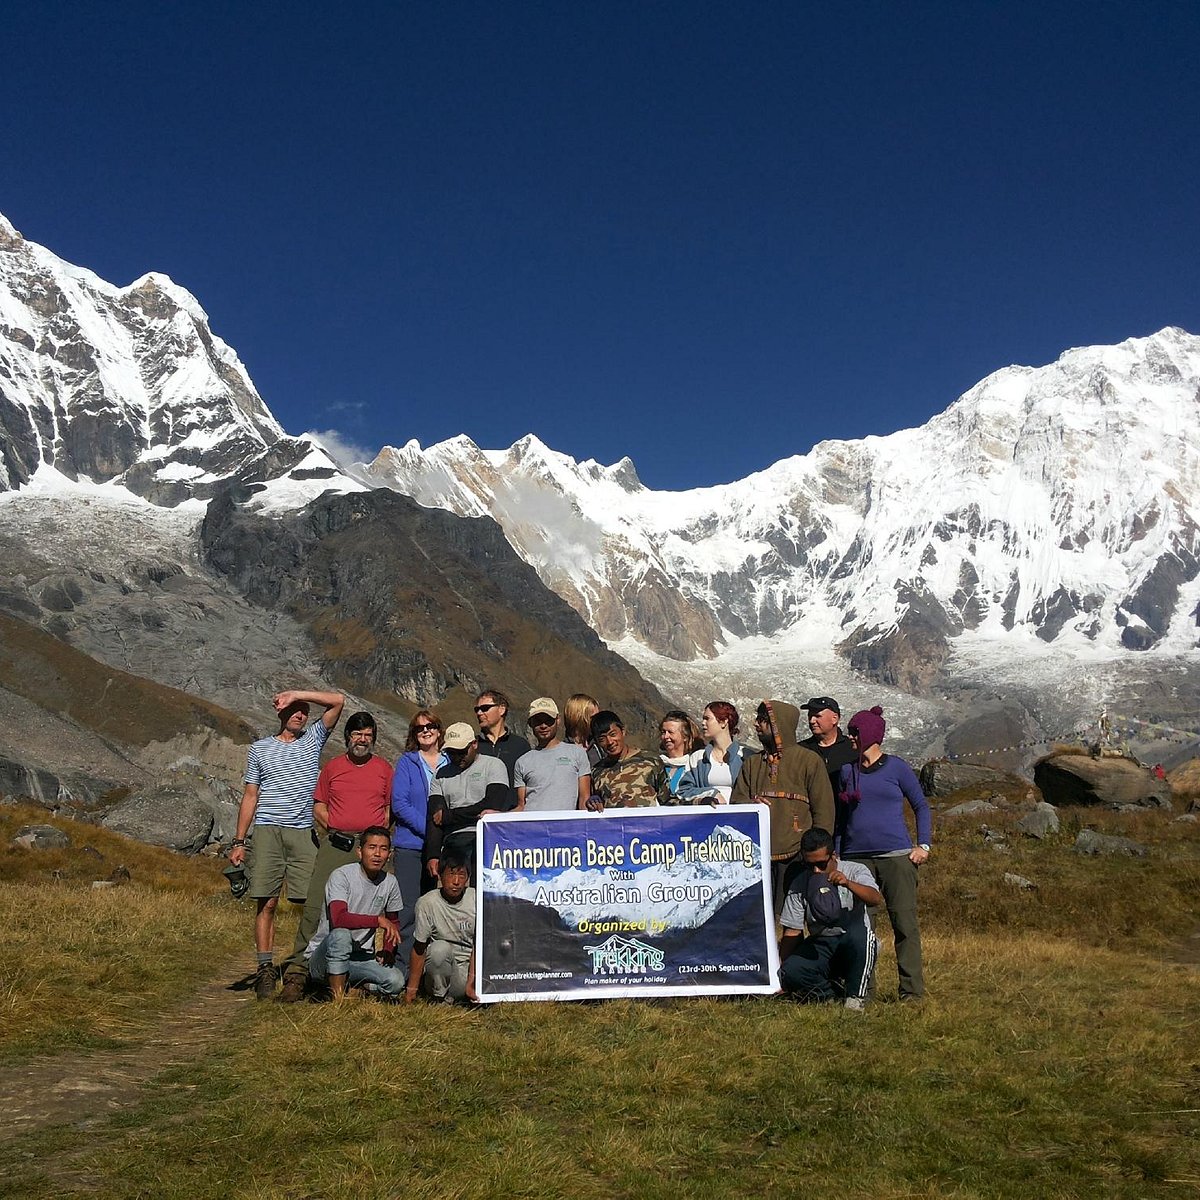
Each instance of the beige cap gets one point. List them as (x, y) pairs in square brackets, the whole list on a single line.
[(543, 704), (459, 736)]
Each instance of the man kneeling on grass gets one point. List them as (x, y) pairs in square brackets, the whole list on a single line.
[(832, 899), (443, 952), (359, 899)]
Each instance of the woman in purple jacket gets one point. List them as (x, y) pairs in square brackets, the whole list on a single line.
[(872, 830), (410, 804)]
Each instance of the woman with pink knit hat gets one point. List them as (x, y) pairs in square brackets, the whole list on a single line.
[(872, 830)]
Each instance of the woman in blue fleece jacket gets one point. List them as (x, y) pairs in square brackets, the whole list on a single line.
[(410, 806), (872, 830)]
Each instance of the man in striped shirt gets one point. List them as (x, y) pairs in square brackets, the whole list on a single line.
[(281, 775)]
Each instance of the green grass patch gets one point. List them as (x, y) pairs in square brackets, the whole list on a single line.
[(1055, 1057)]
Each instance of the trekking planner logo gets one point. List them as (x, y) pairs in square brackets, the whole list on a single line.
[(624, 956)]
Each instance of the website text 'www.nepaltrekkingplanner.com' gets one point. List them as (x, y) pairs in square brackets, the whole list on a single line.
[(533, 975)]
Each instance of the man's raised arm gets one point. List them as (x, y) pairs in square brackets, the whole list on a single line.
[(332, 702)]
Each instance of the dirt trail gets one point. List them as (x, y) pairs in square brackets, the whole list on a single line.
[(82, 1089)]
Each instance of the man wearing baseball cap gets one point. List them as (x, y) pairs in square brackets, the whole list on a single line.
[(555, 775), (827, 738), (460, 793)]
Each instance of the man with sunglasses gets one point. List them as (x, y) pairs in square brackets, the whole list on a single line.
[(830, 899), (496, 740), (555, 776)]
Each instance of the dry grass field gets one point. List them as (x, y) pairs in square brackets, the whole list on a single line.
[(1057, 1055)]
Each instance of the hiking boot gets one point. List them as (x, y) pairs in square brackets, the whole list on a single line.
[(264, 985), (293, 989)]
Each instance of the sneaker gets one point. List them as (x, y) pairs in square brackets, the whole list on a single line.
[(855, 1004), (293, 989), (264, 985)]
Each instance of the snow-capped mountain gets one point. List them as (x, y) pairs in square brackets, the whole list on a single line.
[(1058, 501), (129, 385), (720, 885), (1047, 506)]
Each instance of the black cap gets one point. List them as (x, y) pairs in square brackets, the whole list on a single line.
[(817, 703)]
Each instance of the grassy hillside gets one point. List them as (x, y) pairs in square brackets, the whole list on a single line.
[(1056, 1056)]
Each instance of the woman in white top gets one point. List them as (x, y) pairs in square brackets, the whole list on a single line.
[(715, 770)]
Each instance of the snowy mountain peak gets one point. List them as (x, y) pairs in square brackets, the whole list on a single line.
[(118, 384), (156, 283), (1055, 502)]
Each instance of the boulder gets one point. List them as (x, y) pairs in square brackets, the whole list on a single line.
[(41, 837), (164, 816), (1081, 779), (970, 808), (216, 795), (225, 818), (1040, 823), (1019, 881), (940, 778), (995, 839), (1091, 842)]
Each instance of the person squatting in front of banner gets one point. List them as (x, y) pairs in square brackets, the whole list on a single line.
[(443, 950), (830, 899), (360, 899)]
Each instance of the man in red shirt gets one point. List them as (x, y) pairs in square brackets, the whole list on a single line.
[(353, 793)]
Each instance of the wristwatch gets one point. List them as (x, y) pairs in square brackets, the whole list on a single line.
[(926, 847)]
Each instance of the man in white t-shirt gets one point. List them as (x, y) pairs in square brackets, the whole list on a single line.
[(360, 898), (555, 775), (277, 804), (830, 899)]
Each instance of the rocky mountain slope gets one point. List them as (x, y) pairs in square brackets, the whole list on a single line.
[(1057, 502), (122, 415), (415, 602)]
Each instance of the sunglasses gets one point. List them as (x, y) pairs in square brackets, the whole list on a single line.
[(482, 708), (542, 719), (819, 866), (425, 728)]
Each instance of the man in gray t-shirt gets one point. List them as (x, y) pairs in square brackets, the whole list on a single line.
[(360, 898), (556, 775), (830, 899), (443, 950)]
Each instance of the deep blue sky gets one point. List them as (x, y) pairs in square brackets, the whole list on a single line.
[(704, 235)]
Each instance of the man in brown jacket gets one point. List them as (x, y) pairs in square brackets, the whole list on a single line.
[(793, 781)]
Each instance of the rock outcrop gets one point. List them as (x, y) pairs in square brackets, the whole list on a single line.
[(941, 778), (1080, 779)]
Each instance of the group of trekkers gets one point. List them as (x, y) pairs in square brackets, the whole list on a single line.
[(382, 858)]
